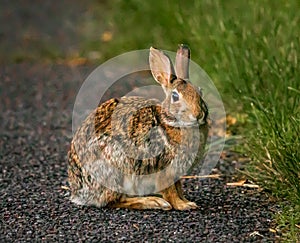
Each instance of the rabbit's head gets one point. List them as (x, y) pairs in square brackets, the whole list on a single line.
[(183, 100)]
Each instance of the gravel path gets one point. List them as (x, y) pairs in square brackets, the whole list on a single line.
[(35, 130), (36, 102)]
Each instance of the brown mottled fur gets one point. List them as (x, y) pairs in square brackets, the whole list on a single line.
[(103, 149)]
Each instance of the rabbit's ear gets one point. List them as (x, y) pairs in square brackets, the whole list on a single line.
[(182, 61), (161, 67)]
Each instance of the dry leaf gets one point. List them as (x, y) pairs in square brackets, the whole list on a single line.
[(106, 36), (77, 61), (230, 120)]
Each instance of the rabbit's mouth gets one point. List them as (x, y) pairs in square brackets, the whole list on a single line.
[(183, 120)]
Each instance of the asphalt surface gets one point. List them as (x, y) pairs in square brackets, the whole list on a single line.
[(35, 132)]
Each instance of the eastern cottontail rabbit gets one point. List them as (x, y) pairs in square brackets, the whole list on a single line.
[(132, 146)]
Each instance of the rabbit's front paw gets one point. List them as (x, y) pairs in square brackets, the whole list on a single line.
[(182, 205)]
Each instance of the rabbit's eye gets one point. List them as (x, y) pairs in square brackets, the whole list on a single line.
[(175, 96)]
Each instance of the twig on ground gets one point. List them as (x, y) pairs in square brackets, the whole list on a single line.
[(65, 188), (136, 226), (242, 183), (256, 233), (215, 176)]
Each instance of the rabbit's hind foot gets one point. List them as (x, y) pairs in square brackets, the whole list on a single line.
[(150, 202)]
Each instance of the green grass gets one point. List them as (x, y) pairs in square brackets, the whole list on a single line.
[(251, 51)]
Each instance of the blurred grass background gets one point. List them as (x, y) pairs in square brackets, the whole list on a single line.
[(249, 48)]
